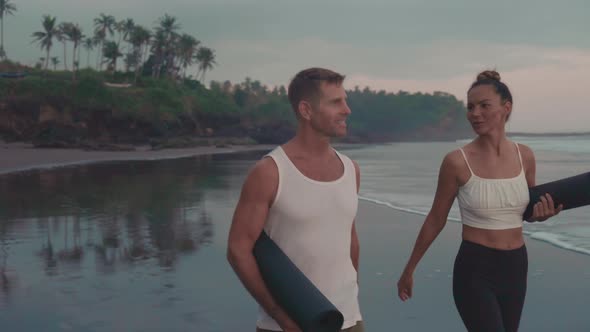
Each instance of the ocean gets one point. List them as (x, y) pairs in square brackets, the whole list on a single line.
[(403, 176)]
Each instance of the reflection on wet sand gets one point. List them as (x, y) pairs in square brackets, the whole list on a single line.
[(106, 218)]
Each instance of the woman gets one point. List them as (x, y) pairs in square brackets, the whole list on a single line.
[(490, 176)]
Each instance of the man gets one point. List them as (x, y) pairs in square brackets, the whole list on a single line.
[(304, 194)]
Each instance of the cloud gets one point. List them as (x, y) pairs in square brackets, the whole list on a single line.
[(548, 97), (437, 60)]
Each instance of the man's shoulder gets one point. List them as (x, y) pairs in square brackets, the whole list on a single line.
[(265, 168), (262, 180)]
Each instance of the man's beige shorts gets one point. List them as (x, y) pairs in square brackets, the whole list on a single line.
[(357, 328)]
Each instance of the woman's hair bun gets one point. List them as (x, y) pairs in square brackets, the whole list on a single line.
[(488, 75)]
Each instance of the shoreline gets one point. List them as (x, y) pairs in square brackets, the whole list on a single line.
[(536, 236), (23, 157), (550, 134)]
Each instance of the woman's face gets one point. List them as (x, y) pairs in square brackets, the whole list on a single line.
[(485, 109)]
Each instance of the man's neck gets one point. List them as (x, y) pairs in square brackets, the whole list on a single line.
[(310, 145)]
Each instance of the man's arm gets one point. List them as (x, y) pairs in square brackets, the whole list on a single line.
[(354, 241), (250, 215), (355, 249)]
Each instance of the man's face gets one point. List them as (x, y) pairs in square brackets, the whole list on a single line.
[(329, 114)]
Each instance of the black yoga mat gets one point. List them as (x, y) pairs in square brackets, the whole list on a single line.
[(572, 192), (296, 294)]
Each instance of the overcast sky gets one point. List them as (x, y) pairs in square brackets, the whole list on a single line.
[(540, 47)]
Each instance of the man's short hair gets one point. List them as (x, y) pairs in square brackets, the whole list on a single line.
[(307, 83)]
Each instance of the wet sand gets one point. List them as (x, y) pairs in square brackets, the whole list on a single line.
[(558, 284), (15, 157)]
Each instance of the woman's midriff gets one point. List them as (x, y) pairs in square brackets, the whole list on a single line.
[(503, 239)]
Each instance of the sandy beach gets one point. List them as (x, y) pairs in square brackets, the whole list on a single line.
[(558, 283), (15, 157)]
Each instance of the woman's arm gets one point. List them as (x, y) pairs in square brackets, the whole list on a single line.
[(435, 221)]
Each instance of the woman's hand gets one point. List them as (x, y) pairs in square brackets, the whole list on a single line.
[(545, 209), (404, 286)]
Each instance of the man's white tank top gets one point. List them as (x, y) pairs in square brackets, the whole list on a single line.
[(311, 221)]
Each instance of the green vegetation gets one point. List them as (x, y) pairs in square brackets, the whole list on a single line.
[(162, 109), (151, 99)]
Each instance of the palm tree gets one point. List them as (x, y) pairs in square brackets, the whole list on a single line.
[(158, 52), (62, 37), (77, 62), (97, 39), (128, 26), (140, 40), (131, 60), (54, 62), (168, 25), (111, 53), (88, 45), (103, 24), (206, 58), (6, 8), (187, 48), (119, 27), (74, 34), (45, 37), (168, 29)]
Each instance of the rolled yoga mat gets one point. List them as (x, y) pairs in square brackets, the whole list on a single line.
[(572, 192), (296, 294)]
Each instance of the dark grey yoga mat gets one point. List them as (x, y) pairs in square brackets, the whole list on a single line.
[(293, 291), (572, 192)]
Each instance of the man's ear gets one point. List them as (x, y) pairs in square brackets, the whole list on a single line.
[(305, 110)]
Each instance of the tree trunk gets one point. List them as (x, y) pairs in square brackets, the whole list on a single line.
[(139, 65), (74, 63), (47, 59), (100, 51), (97, 58), (2, 51), (65, 59), (137, 68), (144, 55)]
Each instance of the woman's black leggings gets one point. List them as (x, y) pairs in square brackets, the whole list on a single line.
[(489, 287)]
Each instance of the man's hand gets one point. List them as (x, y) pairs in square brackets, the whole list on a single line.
[(284, 321)]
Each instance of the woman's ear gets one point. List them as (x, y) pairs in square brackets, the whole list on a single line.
[(507, 109)]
